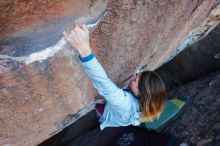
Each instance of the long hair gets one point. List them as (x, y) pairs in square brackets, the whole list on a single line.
[(152, 95)]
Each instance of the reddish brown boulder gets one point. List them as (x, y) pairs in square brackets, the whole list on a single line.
[(39, 99), (136, 34)]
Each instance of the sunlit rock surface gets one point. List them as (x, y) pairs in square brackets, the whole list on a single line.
[(39, 98)]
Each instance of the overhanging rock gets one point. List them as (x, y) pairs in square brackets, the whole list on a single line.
[(41, 96)]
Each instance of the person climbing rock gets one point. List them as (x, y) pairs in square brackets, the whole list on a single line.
[(143, 101)]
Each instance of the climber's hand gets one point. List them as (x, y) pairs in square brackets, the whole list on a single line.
[(78, 38)]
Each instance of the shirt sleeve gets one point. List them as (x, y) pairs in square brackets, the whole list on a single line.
[(100, 80)]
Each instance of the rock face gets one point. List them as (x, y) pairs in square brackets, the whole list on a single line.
[(38, 99), (30, 26), (188, 66)]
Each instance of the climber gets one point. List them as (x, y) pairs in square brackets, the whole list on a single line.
[(144, 99)]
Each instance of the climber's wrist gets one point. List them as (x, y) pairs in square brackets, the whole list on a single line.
[(84, 52), (87, 58)]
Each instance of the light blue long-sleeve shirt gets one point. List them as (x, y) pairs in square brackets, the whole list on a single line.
[(122, 108)]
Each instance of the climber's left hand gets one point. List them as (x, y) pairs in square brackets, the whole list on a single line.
[(78, 38)]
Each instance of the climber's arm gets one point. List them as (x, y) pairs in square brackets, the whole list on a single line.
[(79, 40), (102, 83)]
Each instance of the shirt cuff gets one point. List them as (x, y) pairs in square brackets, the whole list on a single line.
[(87, 58)]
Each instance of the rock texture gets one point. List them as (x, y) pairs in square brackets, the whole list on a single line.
[(30, 26), (188, 66), (200, 123), (39, 99), (145, 34)]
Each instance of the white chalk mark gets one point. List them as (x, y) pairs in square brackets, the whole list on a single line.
[(48, 52), (19, 59), (40, 110), (92, 25)]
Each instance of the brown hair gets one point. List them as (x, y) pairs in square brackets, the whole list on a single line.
[(152, 95)]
